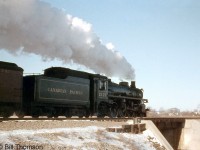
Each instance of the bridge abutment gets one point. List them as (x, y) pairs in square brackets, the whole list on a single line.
[(171, 130), (181, 133)]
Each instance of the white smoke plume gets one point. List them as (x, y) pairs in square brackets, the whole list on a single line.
[(33, 26)]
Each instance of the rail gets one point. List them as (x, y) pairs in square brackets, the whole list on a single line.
[(63, 119), (136, 119)]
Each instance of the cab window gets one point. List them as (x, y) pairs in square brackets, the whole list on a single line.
[(102, 85)]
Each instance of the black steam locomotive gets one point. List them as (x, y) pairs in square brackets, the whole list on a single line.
[(65, 92)]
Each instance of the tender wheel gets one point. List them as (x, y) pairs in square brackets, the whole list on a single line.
[(50, 112), (35, 115), (55, 116), (6, 112), (19, 114), (49, 115), (67, 114), (36, 112), (87, 115)]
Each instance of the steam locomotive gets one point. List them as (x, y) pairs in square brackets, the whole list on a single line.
[(65, 92)]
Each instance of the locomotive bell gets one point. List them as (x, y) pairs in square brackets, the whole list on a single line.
[(133, 84)]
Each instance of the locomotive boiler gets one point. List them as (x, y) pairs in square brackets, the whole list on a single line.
[(127, 100)]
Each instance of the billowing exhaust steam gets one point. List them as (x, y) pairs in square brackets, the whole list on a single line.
[(33, 26)]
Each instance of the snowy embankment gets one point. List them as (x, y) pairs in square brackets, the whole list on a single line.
[(90, 137)]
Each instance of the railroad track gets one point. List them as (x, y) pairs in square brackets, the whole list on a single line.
[(65, 119), (136, 119)]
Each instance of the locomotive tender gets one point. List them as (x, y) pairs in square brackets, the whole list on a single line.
[(65, 92), (11, 77)]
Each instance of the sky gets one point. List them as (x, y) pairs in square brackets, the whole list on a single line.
[(159, 39)]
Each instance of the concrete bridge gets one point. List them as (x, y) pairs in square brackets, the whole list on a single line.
[(181, 133)]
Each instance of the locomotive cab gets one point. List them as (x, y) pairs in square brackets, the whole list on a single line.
[(103, 89), (100, 95)]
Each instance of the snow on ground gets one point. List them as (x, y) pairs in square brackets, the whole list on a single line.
[(83, 138)]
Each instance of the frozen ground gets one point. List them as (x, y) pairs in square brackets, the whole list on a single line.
[(77, 138)]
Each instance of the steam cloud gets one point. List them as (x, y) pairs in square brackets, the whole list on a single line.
[(34, 26)]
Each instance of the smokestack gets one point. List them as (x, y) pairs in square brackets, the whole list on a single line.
[(34, 26), (133, 84)]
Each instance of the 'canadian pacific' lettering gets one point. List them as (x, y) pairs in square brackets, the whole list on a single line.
[(74, 92), (57, 90), (64, 91)]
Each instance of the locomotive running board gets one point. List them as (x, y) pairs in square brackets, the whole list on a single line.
[(125, 97)]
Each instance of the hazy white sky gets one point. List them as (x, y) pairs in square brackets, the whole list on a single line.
[(160, 39)]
